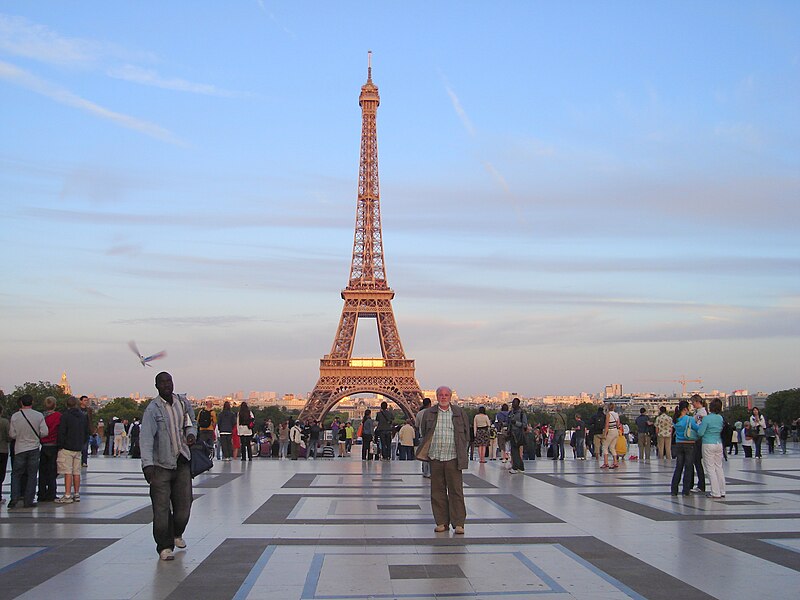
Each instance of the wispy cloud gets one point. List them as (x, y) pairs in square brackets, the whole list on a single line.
[(272, 17), (462, 114), (20, 37), (210, 321), (27, 80), (152, 78)]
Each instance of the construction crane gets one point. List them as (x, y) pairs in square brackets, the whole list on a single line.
[(683, 381)]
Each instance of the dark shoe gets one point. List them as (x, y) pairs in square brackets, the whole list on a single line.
[(13, 504), (32, 505), (673, 493)]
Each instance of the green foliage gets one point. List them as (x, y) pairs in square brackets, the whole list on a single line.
[(39, 391), (736, 413), (123, 408), (278, 415), (783, 406)]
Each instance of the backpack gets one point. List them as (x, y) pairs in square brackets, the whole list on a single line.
[(727, 432), (204, 419)]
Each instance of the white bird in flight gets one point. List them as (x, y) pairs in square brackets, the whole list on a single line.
[(145, 359)]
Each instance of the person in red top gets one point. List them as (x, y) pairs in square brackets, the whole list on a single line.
[(47, 462)]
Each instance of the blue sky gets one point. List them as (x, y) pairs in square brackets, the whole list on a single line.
[(573, 194)]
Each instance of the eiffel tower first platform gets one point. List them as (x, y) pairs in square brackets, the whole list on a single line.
[(367, 296)]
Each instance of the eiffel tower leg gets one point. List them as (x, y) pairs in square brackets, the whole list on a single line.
[(315, 406)]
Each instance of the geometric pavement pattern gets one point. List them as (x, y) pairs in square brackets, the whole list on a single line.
[(335, 529)]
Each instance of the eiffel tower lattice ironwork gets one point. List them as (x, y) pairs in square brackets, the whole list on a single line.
[(367, 296)]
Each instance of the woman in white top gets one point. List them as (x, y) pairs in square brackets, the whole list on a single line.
[(610, 433), (481, 424), (757, 427)]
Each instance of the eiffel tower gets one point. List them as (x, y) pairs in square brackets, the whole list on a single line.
[(367, 296)]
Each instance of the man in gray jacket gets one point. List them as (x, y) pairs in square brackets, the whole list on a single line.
[(27, 427), (445, 433), (168, 430)]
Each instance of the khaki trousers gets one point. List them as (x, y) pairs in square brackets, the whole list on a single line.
[(447, 493), (664, 447), (598, 445)]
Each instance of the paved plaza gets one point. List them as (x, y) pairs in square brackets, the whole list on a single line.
[(341, 529)]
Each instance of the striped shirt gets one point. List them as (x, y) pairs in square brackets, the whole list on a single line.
[(175, 420), (443, 444)]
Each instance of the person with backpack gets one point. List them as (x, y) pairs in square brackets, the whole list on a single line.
[(596, 425), (206, 423)]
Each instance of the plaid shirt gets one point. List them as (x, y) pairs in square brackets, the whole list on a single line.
[(443, 444)]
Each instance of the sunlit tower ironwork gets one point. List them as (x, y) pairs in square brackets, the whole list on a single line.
[(366, 297)]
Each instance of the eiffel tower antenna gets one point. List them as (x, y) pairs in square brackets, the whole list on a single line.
[(366, 297)]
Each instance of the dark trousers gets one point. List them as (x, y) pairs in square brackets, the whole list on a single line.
[(295, 450), (3, 463), (748, 451), (247, 449), (684, 465), (366, 440), (771, 445), (47, 473), (386, 444), (406, 452), (85, 454), (171, 496), (23, 476), (757, 443), (734, 446), (516, 452), (698, 465), (580, 445), (558, 444), (109, 449), (227, 445), (447, 493)]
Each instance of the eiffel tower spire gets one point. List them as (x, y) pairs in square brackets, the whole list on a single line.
[(367, 270), (366, 297)]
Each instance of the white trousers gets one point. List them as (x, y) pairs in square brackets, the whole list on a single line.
[(712, 464)]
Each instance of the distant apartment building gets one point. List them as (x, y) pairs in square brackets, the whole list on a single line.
[(744, 398), (613, 391)]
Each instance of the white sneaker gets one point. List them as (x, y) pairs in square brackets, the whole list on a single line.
[(166, 554), (513, 471), (64, 500), (179, 543)]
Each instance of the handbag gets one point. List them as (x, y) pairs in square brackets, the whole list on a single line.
[(201, 461), (689, 434), (621, 446)]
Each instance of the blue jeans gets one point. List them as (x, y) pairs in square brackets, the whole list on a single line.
[(406, 452), (580, 445), (26, 466), (684, 465), (171, 496)]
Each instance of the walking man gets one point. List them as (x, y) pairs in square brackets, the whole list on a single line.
[(168, 430), (664, 433), (86, 410), (26, 428), (445, 435)]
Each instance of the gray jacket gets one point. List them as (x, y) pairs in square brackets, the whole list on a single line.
[(27, 433), (154, 441)]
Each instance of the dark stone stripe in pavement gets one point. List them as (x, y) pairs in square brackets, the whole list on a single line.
[(655, 514), (300, 480), (276, 509), (223, 571), (60, 555), (754, 544), (634, 573), (473, 481)]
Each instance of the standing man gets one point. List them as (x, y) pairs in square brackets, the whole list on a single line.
[(560, 431), (73, 431), (445, 433), (664, 434), (580, 438), (86, 410), (26, 428), (384, 420), (206, 424), (168, 430), (597, 425), (643, 424), (426, 404), (517, 422)]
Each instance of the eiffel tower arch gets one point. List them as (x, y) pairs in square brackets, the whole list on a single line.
[(366, 297)]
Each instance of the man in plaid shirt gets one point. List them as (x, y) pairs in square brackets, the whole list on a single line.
[(445, 435)]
